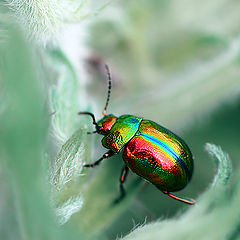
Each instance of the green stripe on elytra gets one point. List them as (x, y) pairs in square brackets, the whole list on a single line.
[(167, 149)]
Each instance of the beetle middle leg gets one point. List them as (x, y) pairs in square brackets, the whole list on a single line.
[(123, 177), (106, 155)]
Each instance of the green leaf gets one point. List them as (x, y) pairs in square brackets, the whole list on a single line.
[(25, 197)]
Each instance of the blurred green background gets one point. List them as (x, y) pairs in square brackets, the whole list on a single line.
[(174, 62)]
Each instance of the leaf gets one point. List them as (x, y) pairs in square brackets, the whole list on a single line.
[(68, 208), (25, 196), (70, 160)]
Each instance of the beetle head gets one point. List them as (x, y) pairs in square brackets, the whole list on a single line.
[(105, 124)]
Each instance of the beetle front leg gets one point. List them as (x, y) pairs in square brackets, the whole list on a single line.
[(106, 155), (123, 177)]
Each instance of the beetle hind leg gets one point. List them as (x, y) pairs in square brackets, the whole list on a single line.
[(123, 177), (189, 201)]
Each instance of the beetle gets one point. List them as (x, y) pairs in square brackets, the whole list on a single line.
[(149, 150)]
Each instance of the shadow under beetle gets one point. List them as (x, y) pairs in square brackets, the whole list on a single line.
[(150, 150)]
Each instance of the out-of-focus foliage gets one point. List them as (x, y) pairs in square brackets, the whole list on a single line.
[(25, 211), (175, 62), (43, 20), (173, 56)]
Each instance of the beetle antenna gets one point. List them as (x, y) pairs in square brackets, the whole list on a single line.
[(109, 88), (90, 114), (185, 200)]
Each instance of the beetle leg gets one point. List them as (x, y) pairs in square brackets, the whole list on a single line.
[(92, 132), (123, 177), (106, 155), (189, 201)]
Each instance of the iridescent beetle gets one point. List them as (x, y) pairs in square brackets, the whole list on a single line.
[(150, 150)]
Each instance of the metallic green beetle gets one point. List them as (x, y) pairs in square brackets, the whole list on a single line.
[(150, 150)]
